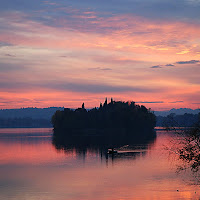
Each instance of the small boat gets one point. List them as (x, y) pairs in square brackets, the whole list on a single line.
[(112, 151)]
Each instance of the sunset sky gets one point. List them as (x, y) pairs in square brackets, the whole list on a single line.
[(63, 53)]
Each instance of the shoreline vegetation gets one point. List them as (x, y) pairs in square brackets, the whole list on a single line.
[(187, 147), (115, 122)]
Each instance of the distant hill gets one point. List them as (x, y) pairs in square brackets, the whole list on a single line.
[(27, 117), (34, 113), (25, 122), (172, 120), (180, 111)]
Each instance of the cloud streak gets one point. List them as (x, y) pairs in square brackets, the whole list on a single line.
[(78, 87), (176, 102), (99, 69), (179, 63), (156, 67), (150, 102), (169, 65), (188, 62)]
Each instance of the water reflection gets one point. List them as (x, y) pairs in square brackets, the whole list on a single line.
[(84, 146), (33, 168), (186, 146)]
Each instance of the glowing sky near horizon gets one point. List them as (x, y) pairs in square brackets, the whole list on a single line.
[(63, 53)]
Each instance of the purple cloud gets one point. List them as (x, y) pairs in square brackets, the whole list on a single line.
[(169, 65), (150, 102), (99, 68), (176, 102), (188, 62), (156, 66)]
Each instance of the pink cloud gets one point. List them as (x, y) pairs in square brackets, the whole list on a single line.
[(126, 44)]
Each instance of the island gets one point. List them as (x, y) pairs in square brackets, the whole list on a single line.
[(114, 122)]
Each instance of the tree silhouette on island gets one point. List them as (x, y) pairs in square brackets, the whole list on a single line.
[(115, 121)]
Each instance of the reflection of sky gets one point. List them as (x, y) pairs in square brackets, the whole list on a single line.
[(38, 171), (66, 52)]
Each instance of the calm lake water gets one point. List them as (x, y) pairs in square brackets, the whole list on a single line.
[(31, 168)]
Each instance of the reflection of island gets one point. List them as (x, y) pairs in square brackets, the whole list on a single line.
[(99, 149), (116, 122)]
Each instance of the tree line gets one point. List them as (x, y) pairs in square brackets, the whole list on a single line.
[(25, 122), (186, 120)]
